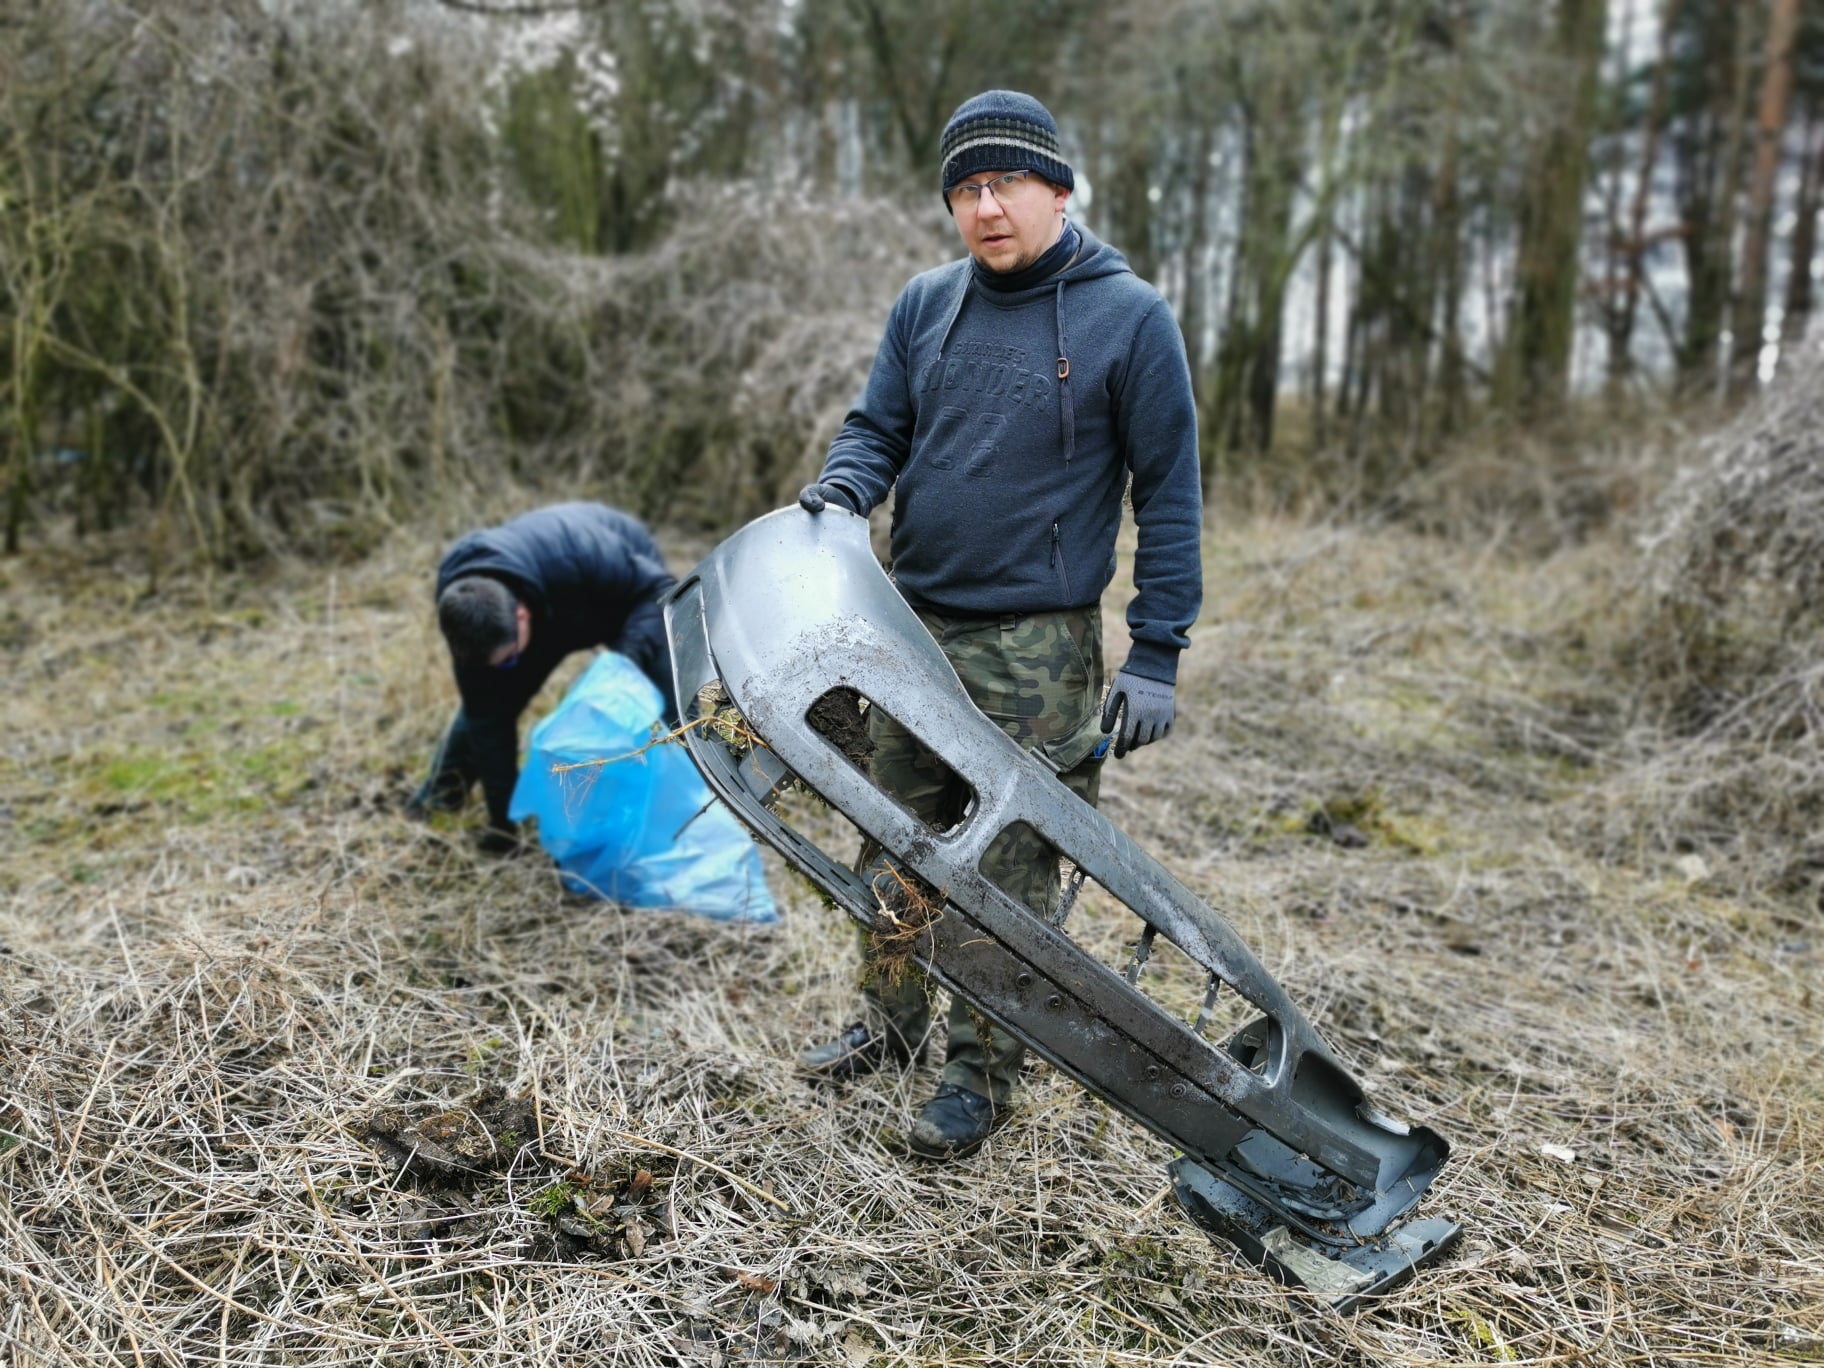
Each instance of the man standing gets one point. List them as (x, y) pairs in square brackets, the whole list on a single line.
[(1014, 395), (513, 601)]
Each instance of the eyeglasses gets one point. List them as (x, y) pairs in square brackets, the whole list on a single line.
[(971, 191)]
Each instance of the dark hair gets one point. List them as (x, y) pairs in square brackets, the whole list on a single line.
[(478, 616)]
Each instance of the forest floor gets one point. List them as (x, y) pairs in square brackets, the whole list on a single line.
[(230, 969)]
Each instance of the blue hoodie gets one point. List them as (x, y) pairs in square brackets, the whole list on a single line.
[(1010, 422)]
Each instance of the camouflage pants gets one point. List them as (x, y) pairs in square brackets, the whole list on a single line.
[(1039, 678)]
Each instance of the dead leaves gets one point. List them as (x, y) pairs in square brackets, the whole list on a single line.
[(753, 1282), (621, 1220)]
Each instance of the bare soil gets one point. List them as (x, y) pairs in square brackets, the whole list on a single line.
[(287, 1078)]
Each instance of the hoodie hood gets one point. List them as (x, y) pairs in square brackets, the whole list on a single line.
[(1091, 260)]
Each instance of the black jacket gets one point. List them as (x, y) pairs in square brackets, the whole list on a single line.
[(590, 576)]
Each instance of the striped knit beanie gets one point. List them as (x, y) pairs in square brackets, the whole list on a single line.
[(1002, 130)]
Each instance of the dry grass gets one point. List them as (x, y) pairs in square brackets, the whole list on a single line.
[(222, 951)]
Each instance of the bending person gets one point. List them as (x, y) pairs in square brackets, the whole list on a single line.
[(513, 601)]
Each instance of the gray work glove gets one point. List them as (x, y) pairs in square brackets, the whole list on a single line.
[(813, 497), (1144, 707)]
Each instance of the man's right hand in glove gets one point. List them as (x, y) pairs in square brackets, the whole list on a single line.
[(813, 497)]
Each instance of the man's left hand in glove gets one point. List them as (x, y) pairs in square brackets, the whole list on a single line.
[(1143, 708)]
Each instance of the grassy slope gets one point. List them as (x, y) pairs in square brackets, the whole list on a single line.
[(221, 949)]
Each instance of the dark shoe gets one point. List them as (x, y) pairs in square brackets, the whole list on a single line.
[(954, 1123), (857, 1051)]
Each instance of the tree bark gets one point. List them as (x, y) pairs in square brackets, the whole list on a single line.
[(1750, 317), (1712, 154), (1196, 246), (1275, 255), (1804, 238), (1536, 369), (1447, 234), (1625, 306)]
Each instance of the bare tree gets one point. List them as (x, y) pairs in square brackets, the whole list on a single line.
[(1750, 315), (1712, 86), (1536, 364), (1806, 205), (1627, 246)]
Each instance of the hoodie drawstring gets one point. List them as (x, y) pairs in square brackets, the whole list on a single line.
[(1067, 411), (956, 312)]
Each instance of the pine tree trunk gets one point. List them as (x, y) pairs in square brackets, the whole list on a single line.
[(1750, 317), (1447, 237), (1536, 369), (1633, 246), (1273, 251), (1804, 238), (1320, 342), (1196, 246), (1709, 203)]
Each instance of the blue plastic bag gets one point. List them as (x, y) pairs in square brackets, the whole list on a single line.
[(634, 822)]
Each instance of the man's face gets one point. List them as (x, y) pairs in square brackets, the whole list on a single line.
[(1009, 225), (506, 655)]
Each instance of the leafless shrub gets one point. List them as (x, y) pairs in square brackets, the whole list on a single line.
[(1718, 646), (275, 283), (1738, 566), (726, 355), (271, 281), (1538, 488)]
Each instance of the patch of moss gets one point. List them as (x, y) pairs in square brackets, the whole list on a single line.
[(1366, 812), (203, 786), (1418, 834), (556, 1200), (147, 775), (549, 1201), (1486, 1336)]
